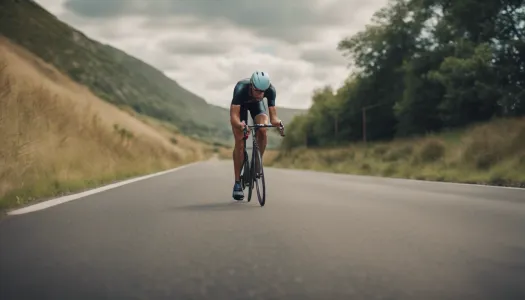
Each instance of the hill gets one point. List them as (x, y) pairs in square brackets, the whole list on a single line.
[(58, 137), (113, 75), (110, 73)]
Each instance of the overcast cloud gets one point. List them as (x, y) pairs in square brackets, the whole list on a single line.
[(208, 45)]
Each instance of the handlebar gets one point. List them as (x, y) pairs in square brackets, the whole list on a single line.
[(262, 125), (258, 126)]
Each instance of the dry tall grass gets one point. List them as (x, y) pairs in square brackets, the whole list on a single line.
[(55, 136), (491, 153)]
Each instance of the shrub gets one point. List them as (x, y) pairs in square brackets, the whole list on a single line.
[(432, 150), (398, 153)]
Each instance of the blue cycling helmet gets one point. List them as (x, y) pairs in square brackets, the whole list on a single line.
[(260, 80)]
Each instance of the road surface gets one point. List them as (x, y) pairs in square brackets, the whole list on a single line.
[(320, 236)]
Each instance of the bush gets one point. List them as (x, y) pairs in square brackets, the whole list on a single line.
[(366, 167), (484, 148), (521, 160), (432, 150), (380, 150), (398, 153), (390, 170), (336, 156), (488, 144)]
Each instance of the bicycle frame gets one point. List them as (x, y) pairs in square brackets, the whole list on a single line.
[(249, 166)]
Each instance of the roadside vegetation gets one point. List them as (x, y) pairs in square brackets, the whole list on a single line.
[(437, 92), (491, 153), (57, 137)]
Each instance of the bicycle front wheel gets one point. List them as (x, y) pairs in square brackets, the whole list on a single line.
[(249, 178), (245, 171), (258, 175)]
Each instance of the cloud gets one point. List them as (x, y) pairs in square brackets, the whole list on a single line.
[(323, 54), (208, 45), (301, 19)]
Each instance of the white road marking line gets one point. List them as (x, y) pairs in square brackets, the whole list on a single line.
[(64, 199)]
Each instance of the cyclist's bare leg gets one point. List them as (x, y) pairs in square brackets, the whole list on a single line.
[(238, 151)]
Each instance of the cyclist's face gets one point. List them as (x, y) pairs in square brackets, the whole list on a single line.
[(257, 94)]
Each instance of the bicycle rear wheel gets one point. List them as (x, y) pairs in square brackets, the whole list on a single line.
[(259, 180)]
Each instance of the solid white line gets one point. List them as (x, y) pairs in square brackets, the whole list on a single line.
[(64, 199)]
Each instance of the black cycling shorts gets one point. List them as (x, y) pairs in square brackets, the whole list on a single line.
[(255, 108)]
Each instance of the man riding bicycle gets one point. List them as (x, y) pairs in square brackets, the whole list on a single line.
[(248, 94)]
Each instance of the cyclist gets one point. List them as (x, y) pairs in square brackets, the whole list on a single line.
[(248, 94)]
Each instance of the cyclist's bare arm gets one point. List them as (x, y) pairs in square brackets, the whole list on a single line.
[(270, 97), (235, 115), (273, 116), (235, 106)]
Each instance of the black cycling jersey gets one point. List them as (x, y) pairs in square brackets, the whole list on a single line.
[(241, 94)]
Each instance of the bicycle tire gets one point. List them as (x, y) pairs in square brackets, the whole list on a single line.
[(245, 170), (256, 155), (250, 181)]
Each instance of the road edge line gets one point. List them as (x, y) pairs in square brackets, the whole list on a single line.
[(60, 200)]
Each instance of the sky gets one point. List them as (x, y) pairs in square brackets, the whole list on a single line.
[(208, 45)]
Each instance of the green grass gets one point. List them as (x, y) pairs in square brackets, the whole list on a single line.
[(492, 153)]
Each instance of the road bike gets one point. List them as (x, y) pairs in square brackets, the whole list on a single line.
[(249, 174)]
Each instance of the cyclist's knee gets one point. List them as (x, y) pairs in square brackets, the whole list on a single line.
[(261, 118), (262, 132)]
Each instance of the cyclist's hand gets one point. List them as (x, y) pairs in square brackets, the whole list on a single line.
[(242, 125), (281, 128)]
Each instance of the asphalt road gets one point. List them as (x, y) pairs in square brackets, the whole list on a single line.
[(320, 236)]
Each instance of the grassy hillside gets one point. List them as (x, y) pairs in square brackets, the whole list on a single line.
[(111, 74), (56, 136), (491, 153)]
